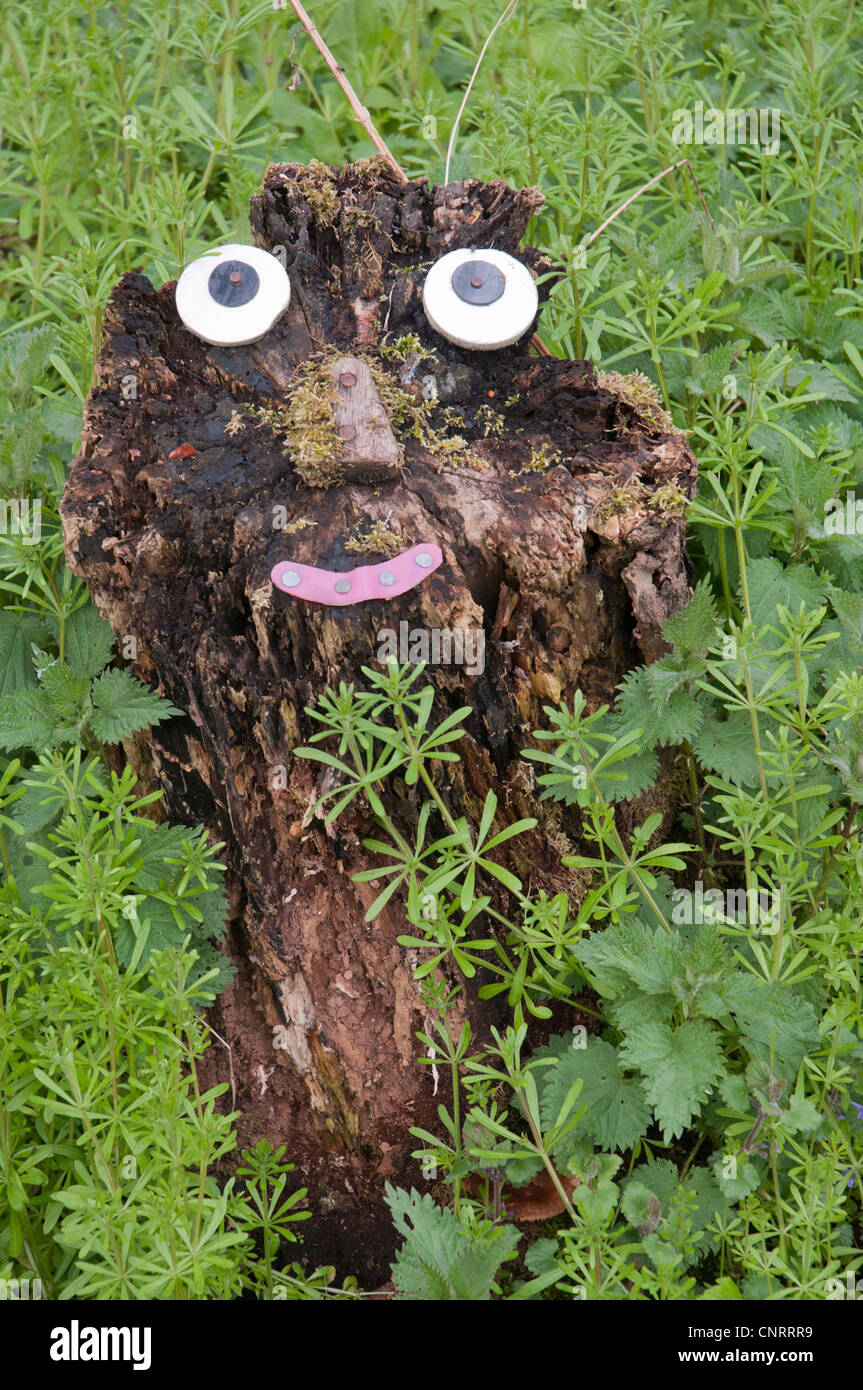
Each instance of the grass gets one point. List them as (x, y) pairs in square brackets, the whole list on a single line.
[(133, 136)]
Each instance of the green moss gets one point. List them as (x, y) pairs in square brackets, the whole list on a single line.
[(358, 220), (620, 499), (669, 498), (379, 540), (368, 172), (306, 424), (639, 391), (319, 190), (426, 421), (491, 422), (403, 348), (541, 458), (302, 523)]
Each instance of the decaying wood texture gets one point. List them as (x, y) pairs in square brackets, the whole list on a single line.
[(555, 500)]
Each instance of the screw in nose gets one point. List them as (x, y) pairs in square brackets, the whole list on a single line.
[(348, 379)]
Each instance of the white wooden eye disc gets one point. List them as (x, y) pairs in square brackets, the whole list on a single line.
[(495, 323), (232, 295)]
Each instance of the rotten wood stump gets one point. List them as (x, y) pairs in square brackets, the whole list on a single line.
[(555, 497)]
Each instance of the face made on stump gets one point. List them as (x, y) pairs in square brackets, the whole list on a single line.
[(481, 300)]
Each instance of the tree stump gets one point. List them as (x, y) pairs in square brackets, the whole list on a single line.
[(555, 497)]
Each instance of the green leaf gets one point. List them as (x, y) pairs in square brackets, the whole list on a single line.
[(123, 706), (28, 721), (67, 693), (615, 1114), (18, 633), (680, 1066), (704, 1198), (658, 705), (440, 1259), (802, 1116), (773, 1021), (630, 953), (724, 1289), (770, 585), (736, 1174), (693, 629), (726, 746), (89, 642), (24, 357)]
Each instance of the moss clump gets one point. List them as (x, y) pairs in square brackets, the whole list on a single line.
[(358, 220), (426, 421), (319, 190), (302, 523), (408, 345), (379, 540), (541, 458), (370, 171), (491, 422), (620, 499), (639, 391), (669, 498), (306, 423)]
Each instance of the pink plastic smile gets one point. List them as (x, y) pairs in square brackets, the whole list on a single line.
[(384, 580)]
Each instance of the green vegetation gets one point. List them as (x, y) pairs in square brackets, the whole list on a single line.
[(712, 1115)]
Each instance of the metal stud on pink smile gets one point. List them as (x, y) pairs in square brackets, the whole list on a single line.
[(384, 580)]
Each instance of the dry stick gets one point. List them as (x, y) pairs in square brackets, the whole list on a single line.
[(361, 112), (506, 14), (670, 170), (536, 341), (542, 349)]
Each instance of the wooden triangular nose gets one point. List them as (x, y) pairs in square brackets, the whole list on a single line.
[(370, 451)]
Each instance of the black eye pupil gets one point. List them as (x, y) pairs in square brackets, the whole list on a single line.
[(478, 282), (233, 283)]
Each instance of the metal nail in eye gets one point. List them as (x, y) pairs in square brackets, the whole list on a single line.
[(232, 295), (480, 299), (233, 283), (478, 282)]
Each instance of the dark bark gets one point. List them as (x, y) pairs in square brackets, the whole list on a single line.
[(570, 577)]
